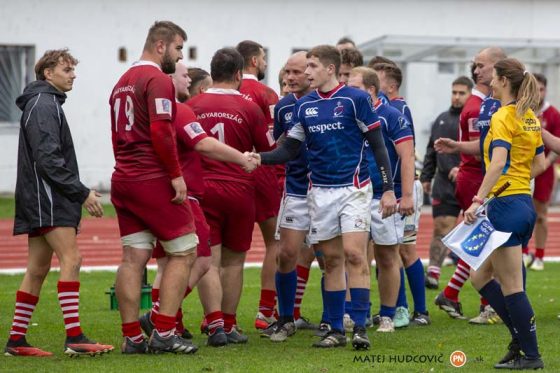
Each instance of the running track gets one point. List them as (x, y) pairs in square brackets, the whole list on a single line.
[(99, 242)]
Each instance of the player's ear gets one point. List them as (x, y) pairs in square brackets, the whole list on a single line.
[(160, 47), (254, 61)]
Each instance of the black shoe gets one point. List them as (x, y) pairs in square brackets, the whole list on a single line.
[(129, 347), (186, 334), (521, 363), (376, 319), (146, 324), (452, 308), (324, 328), (360, 340), (235, 337), (514, 352), (420, 319), (218, 339), (333, 338), (266, 333), (172, 343)]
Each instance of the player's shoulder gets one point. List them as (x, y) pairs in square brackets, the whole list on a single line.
[(288, 100), (352, 93)]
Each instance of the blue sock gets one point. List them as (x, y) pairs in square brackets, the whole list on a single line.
[(348, 307), (493, 294), (360, 305), (415, 275), (335, 308), (286, 284), (523, 319), (387, 311), (325, 316), (401, 299), (369, 310)]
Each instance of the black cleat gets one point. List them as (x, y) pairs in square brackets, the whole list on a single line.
[(333, 338), (218, 339), (324, 328), (452, 308), (172, 343), (521, 363), (420, 319), (360, 340), (146, 324), (129, 347), (235, 337), (514, 352)]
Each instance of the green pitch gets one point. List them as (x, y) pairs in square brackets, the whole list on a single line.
[(427, 349)]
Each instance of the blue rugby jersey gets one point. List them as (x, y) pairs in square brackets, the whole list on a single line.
[(488, 107), (396, 129), (332, 125), (297, 181)]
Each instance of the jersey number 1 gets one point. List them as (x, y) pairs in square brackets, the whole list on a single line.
[(219, 129), (128, 111)]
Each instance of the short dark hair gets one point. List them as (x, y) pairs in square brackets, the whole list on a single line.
[(376, 60), (327, 54), (249, 49), (541, 78), (344, 40), (197, 75), (463, 80), (163, 30), (50, 59), (352, 57), (391, 71), (225, 63)]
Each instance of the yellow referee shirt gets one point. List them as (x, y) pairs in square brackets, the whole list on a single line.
[(522, 138)]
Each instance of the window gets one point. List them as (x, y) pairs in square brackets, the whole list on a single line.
[(16, 71)]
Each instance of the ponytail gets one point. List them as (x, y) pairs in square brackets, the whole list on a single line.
[(528, 95)]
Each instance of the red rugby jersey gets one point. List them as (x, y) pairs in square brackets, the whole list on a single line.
[(468, 130)]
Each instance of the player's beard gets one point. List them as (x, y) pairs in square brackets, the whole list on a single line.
[(167, 64), (260, 74)]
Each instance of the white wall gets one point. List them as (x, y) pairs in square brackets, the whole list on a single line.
[(95, 30)]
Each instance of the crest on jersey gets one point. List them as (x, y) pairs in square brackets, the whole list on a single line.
[(339, 109), (194, 129), (163, 106), (403, 124), (475, 242), (288, 116)]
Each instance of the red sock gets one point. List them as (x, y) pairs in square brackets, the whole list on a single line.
[(155, 305), (525, 250), (302, 277), (539, 253), (229, 322), (483, 302), (434, 271), (132, 331), (69, 299), (179, 327), (267, 302), (25, 304), (165, 324), (215, 320), (456, 282)]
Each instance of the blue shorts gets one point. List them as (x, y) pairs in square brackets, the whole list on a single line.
[(516, 214)]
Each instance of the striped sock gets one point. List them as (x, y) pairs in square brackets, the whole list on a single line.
[(456, 282), (132, 331), (215, 320), (25, 304), (302, 278), (434, 271), (267, 302), (539, 252), (69, 300), (229, 322), (155, 305), (165, 325)]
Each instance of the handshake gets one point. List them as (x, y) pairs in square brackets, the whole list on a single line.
[(251, 161)]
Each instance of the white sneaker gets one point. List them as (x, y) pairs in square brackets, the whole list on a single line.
[(528, 259), (486, 317), (538, 265), (386, 325), (348, 323)]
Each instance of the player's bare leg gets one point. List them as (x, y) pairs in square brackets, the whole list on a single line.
[(38, 265), (129, 282), (174, 282), (231, 276), (388, 282), (438, 251), (268, 288)]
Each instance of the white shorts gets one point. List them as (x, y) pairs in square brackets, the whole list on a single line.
[(412, 222), (388, 231), (293, 214), (339, 210)]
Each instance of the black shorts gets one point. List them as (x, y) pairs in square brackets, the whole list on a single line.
[(445, 208)]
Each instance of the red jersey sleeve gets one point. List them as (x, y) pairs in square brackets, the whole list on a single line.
[(161, 98), (189, 130), (262, 139)]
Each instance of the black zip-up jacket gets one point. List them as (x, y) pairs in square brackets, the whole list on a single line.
[(438, 165), (48, 188)]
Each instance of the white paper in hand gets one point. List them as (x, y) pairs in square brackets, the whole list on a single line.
[(474, 243)]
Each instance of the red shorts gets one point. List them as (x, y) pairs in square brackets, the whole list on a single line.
[(267, 193), (544, 183), (40, 231), (202, 231), (146, 205), (466, 186), (229, 208)]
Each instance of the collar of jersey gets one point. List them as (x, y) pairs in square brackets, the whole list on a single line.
[(400, 98), (545, 107), (146, 63), (223, 91), (377, 104), (476, 92), (250, 76), (330, 93)]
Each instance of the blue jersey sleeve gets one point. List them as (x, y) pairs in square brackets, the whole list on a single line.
[(366, 117), (296, 131), (399, 129)]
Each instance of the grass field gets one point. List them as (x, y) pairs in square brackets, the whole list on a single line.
[(483, 345)]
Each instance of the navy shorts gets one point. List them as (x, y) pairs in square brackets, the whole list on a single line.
[(516, 214)]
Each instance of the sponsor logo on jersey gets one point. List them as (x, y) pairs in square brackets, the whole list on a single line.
[(402, 123), (338, 110), (322, 128), (193, 129), (163, 106), (311, 112), (288, 116)]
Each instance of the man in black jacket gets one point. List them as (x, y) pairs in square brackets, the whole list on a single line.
[(442, 168), (49, 197)]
